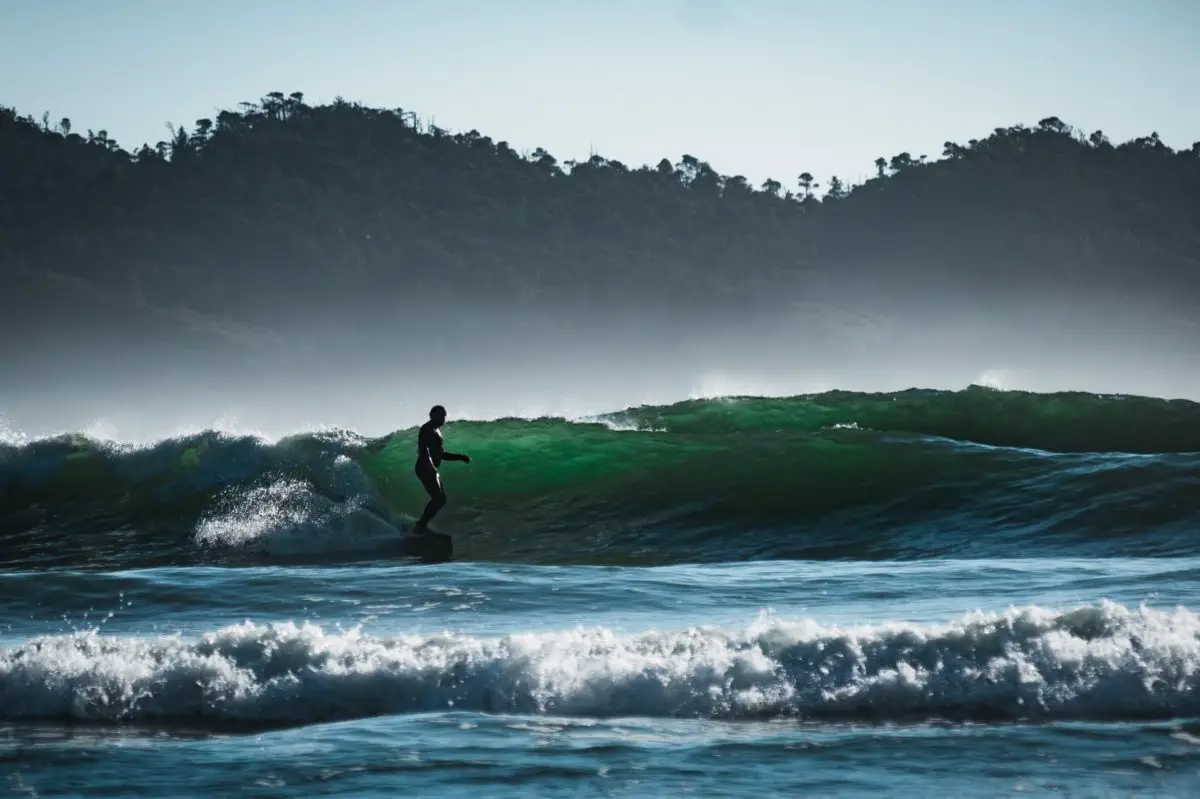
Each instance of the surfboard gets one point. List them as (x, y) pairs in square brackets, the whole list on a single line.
[(429, 548)]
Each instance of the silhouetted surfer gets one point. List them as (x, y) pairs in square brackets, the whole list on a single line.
[(430, 454)]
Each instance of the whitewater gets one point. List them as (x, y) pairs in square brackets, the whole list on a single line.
[(974, 592)]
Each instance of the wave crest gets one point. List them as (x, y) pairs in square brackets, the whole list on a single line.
[(913, 474), (1102, 661)]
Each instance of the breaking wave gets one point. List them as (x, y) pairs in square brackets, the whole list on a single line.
[(1102, 661), (836, 475)]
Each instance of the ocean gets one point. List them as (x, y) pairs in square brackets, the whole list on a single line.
[(963, 593)]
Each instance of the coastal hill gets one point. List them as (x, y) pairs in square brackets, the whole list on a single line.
[(270, 209)]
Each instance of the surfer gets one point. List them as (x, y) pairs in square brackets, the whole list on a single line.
[(430, 454)]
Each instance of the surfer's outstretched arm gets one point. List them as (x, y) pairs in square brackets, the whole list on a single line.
[(456, 456)]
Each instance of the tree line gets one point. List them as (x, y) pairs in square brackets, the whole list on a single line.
[(279, 203)]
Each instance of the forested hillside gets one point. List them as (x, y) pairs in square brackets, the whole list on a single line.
[(279, 204)]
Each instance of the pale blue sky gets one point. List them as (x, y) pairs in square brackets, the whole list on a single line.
[(756, 87)]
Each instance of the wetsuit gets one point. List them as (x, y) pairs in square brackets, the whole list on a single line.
[(430, 454)]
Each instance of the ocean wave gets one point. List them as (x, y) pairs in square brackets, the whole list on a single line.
[(1103, 661), (836, 475)]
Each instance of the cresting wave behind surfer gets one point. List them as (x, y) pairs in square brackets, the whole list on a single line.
[(825, 476)]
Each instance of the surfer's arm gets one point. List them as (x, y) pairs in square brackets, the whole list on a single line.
[(456, 456)]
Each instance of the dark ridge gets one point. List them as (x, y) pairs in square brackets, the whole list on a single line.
[(243, 221)]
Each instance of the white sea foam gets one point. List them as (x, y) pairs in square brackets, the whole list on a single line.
[(1104, 661), (286, 517), (9, 436)]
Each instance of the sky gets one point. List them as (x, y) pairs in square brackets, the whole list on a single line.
[(761, 88)]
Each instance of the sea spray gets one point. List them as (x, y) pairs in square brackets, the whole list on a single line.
[(1098, 662)]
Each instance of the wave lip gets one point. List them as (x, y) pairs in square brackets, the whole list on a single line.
[(1100, 662), (1062, 422)]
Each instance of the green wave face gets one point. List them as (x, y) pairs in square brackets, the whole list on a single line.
[(1065, 422), (693, 475), (911, 474)]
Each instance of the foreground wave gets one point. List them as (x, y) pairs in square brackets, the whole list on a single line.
[(974, 473), (1102, 661)]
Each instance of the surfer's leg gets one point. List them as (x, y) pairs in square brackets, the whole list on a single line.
[(437, 499)]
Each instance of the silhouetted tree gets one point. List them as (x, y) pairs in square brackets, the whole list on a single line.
[(807, 184)]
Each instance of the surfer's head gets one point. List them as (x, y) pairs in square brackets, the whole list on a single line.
[(438, 414)]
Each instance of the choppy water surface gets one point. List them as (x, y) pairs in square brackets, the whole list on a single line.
[(973, 593)]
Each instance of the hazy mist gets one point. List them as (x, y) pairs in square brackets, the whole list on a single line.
[(377, 372)]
